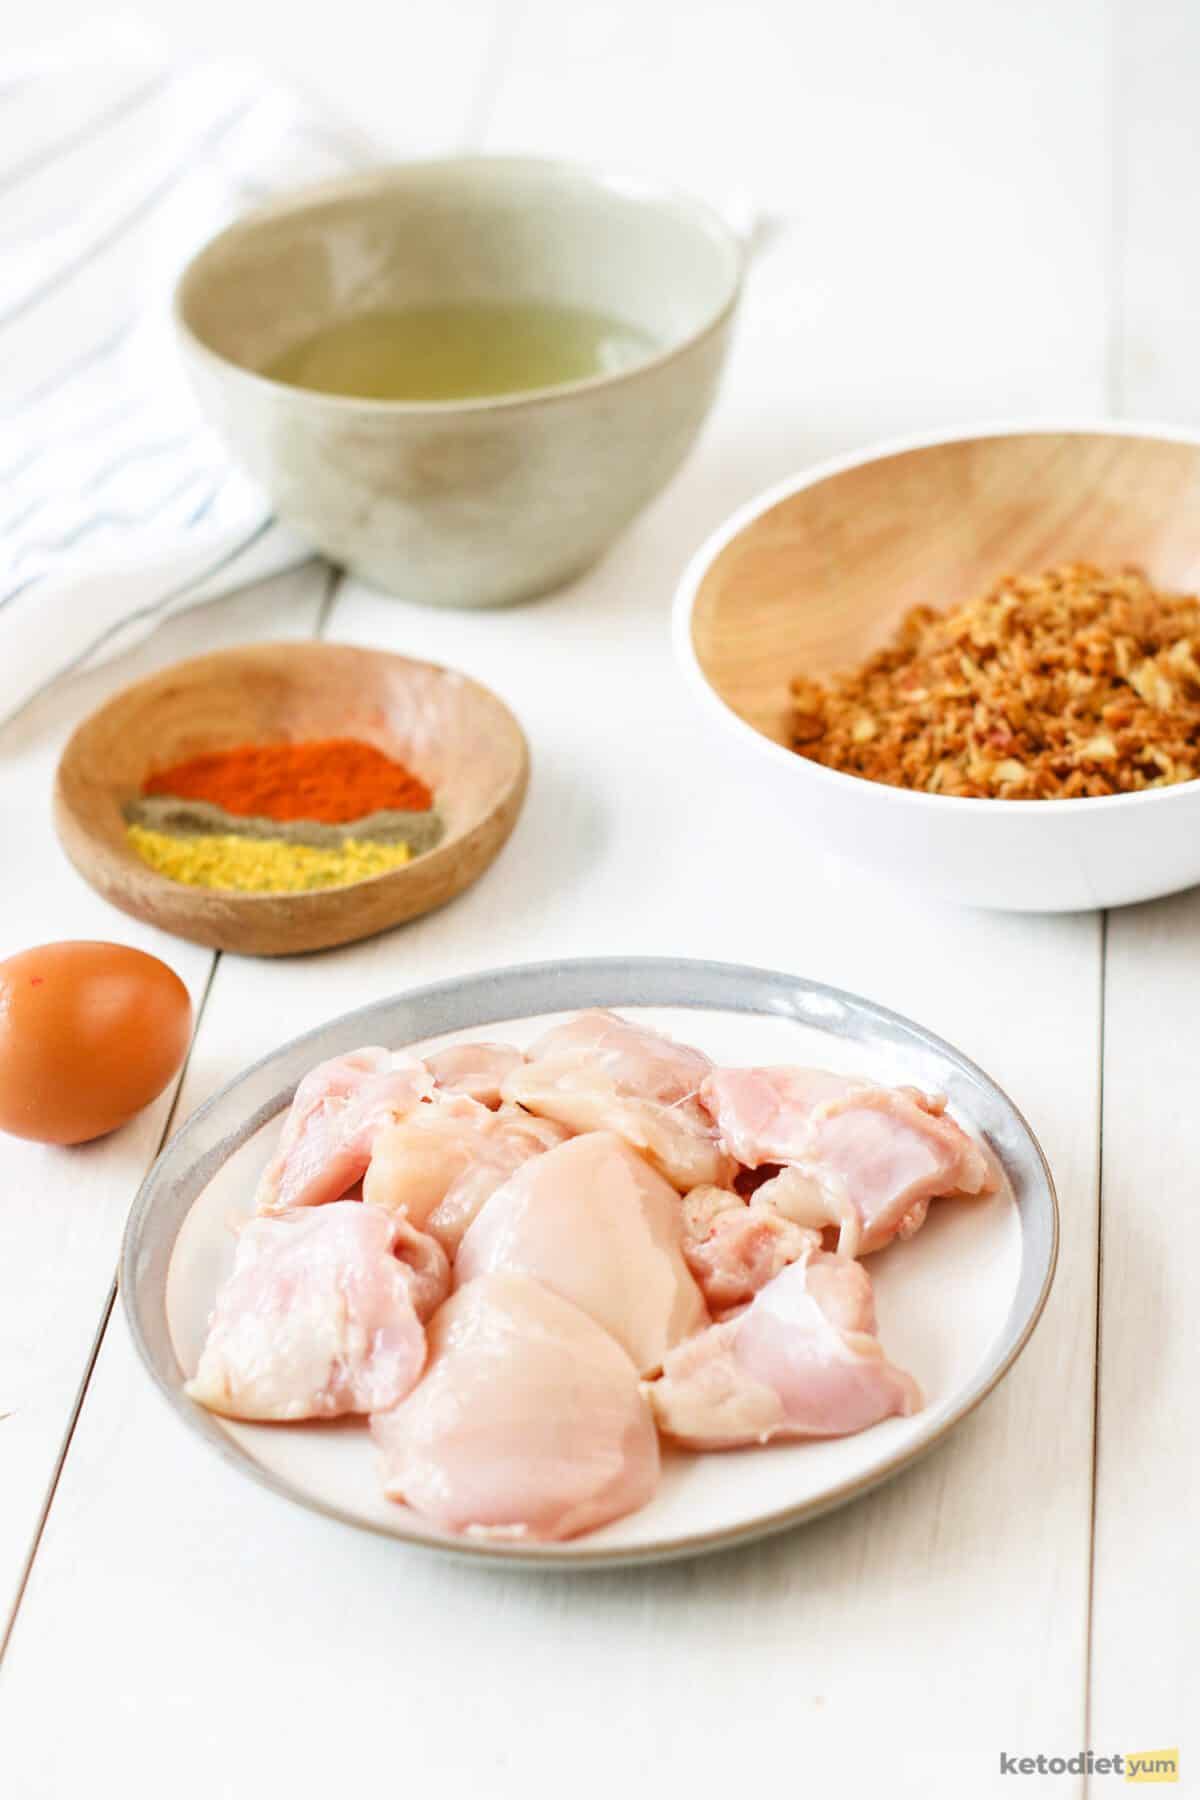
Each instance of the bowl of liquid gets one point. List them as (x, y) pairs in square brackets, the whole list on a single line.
[(462, 379)]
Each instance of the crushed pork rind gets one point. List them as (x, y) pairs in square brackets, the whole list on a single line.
[(1062, 686)]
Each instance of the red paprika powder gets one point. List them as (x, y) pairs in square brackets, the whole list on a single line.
[(330, 780)]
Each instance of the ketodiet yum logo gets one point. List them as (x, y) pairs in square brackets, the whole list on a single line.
[(1127, 1765)]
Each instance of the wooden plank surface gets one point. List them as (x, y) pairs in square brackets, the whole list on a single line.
[(1156, 163), (975, 1564), (897, 1647), (63, 1213), (933, 182), (1145, 1672), (64, 1210), (397, 75)]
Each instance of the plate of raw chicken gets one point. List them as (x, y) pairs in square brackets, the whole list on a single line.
[(592, 1262)]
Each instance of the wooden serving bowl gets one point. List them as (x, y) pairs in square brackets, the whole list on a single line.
[(816, 574), (455, 734)]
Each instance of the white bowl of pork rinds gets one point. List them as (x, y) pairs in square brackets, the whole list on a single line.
[(971, 664)]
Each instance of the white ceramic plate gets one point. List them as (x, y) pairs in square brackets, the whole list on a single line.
[(956, 1304)]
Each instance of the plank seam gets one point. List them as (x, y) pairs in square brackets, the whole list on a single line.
[(56, 1472), (97, 1343), (1114, 373), (1114, 395), (1096, 1352), (334, 578), (491, 78)]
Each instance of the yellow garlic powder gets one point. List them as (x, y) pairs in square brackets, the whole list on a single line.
[(248, 865)]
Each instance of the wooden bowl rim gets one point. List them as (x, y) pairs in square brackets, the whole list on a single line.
[(747, 515), (174, 893)]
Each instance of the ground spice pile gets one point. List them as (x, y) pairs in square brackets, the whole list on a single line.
[(1066, 685), (330, 780), (283, 817), (254, 865)]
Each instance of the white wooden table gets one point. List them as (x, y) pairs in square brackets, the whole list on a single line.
[(979, 210)]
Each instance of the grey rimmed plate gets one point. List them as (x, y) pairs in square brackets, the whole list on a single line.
[(956, 1303)]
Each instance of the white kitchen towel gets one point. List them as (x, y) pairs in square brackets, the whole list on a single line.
[(117, 505)]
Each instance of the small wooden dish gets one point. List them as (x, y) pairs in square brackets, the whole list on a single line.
[(452, 732)]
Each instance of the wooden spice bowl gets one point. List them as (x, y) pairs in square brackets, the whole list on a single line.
[(457, 735)]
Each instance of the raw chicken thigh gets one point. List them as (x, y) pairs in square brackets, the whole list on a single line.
[(595, 1223), (495, 1254), (446, 1159), (427, 1263), (803, 1360), (867, 1159), (415, 1160), (529, 1422), (515, 1140), (338, 1111), (733, 1248), (316, 1319), (762, 1114), (643, 1061), (600, 1073), (476, 1070)]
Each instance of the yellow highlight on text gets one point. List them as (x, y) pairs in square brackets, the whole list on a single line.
[(1152, 1765)]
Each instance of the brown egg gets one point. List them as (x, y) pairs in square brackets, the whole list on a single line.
[(89, 1034)]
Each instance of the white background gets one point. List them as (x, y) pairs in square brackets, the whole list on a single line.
[(980, 209)]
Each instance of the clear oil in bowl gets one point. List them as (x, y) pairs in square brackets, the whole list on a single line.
[(461, 351)]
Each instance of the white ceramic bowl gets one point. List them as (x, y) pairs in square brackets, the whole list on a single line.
[(464, 502), (815, 573)]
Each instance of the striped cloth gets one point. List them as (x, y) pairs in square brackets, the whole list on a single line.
[(117, 505)]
